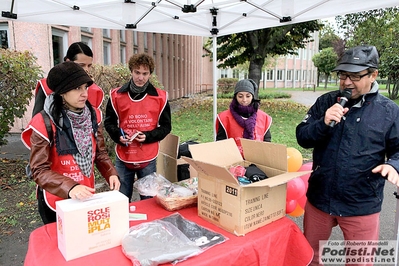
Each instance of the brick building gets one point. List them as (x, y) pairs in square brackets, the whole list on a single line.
[(180, 65)]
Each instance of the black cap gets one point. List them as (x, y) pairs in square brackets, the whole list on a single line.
[(67, 76), (358, 59)]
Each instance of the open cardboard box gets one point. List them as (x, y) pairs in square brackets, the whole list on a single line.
[(237, 208), (167, 161)]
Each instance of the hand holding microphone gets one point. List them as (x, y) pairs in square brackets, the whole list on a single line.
[(345, 96)]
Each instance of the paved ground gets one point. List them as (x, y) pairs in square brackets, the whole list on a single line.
[(15, 149)]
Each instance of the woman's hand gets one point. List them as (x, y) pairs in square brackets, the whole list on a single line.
[(81, 192), (114, 183)]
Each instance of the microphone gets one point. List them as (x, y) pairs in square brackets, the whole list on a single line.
[(345, 96)]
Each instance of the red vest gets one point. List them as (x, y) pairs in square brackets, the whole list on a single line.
[(95, 97), (234, 130), (62, 164), (142, 115)]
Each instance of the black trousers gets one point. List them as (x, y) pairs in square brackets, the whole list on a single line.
[(47, 214)]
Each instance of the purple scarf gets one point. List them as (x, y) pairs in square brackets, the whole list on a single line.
[(245, 117)]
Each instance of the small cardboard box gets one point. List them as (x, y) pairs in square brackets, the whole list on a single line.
[(167, 161), (96, 224), (237, 208)]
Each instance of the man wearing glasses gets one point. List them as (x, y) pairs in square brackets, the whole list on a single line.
[(355, 149)]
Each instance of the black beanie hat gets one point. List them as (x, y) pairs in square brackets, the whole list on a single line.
[(67, 76)]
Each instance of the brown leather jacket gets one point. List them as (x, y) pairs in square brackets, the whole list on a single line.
[(54, 182)]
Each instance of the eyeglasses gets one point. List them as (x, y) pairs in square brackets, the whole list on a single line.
[(353, 77)]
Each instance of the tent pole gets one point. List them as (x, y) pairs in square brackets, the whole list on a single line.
[(215, 91)]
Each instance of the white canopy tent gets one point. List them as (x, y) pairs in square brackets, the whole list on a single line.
[(209, 18), (200, 18)]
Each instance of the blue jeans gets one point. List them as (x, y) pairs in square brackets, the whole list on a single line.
[(127, 175)]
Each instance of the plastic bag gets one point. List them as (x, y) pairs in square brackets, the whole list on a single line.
[(151, 184), (157, 242), (203, 237)]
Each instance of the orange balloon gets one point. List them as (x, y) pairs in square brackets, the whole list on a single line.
[(294, 159), (297, 212)]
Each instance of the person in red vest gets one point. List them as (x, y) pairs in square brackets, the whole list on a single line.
[(82, 55), (66, 141), (137, 118), (244, 119)]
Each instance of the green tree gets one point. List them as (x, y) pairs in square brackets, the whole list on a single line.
[(379, 27), (328, 36), (18, 75), (325, 62), (255, 46)]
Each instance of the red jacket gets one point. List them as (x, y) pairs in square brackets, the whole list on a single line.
[(235, 131), (143, 115)]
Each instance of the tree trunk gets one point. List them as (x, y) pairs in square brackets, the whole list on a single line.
[(326, 81), (255, 71)]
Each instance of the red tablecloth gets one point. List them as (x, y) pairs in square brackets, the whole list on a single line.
[(279, 243)]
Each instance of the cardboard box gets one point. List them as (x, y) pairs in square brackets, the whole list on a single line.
[(167, 161), (237, 208), (96, 224)]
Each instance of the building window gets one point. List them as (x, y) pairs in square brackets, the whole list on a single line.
[(106, 33), (107, 53), (123, 54), (86, 40), (60, 45), (298, 75), (4, 36), (122, 36), (135, 38), (289, 74), (280, 74), (223, 73), (270, 75), (304, 75)]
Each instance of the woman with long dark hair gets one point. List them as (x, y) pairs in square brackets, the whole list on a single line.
[(62, 160)]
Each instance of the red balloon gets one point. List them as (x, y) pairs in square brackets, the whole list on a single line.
[(305, 179), (290, 206), (306, 167), (295, 189), (302, 201)]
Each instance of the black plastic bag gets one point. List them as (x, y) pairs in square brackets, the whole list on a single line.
[(254, 174)]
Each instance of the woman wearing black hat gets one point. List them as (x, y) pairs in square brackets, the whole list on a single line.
[(82, 55), (244, 119), (64, 168)]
